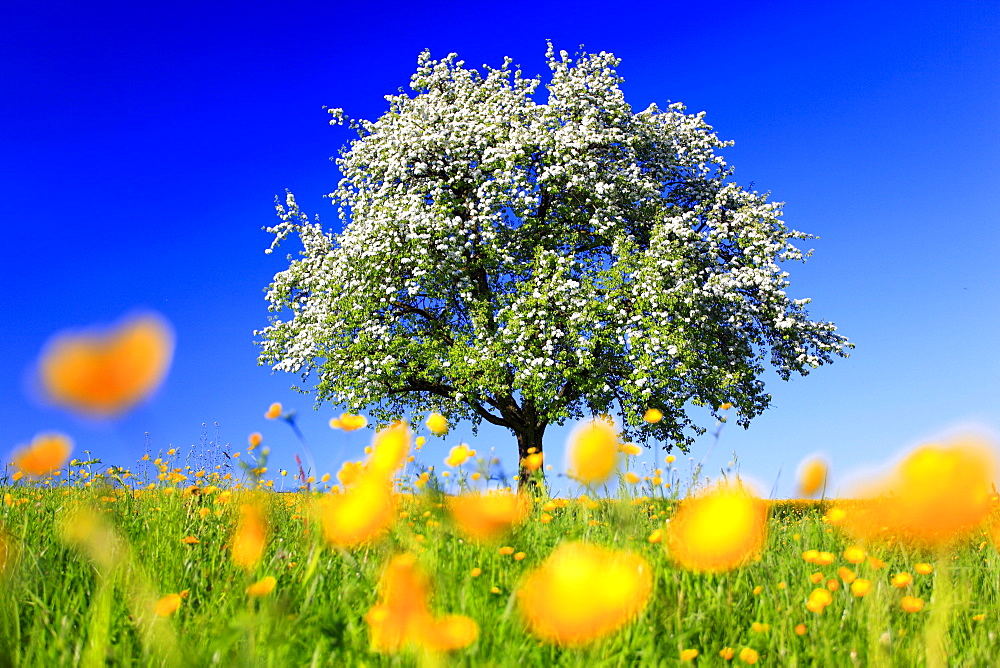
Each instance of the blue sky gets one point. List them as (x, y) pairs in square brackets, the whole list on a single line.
[(142, 146)]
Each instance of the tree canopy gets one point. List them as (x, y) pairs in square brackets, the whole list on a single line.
[(524, 264)]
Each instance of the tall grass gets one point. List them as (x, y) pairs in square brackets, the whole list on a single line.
[(67, 601)]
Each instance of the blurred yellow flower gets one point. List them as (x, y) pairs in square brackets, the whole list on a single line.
[(349, 422), (846, 574), (103, 374), (250, 538), (717, 530), (860, 587), (924, 569), (653, 415), (912, 604), (533, 461), (900, 580), (855, 554), (583, 592), (167, 605), (262, 587), (362, 512), (403, 618), (800, 629), (46, 453), (748, 655), (487, 516), (349, 472), (727, 653), (190, 540), (631, 449), (812, 476), (592, 452), (689, 654), (389, 449), (274, 411), (437, 424), (458, 455), (937, 495), (632, 478), (255, 439)]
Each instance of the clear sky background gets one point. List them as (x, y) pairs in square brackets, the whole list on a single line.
[(142, 146)]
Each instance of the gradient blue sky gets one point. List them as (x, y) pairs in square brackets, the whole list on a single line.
[(142, 146)]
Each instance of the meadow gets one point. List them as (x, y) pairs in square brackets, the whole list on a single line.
[(103, 566), (202, 558)]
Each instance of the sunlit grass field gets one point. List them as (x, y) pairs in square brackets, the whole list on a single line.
[(106, 574), (207, 558)]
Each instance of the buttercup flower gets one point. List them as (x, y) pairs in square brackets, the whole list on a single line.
[(487, 516), (365, 510), (812, 476), (583, 592), (717, 530), (403, 618), (458, 455), (936, 496), (262, 587), (167, 605), (593, 452), (437, 424), (104, 374), (653, 415), (250, 538), (46, 453)]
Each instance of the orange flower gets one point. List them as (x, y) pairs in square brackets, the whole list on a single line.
[(359, 514), (748, 655), (812, 476), (583, 592), (689, 654), (487, 516), (717, 530), (190, 540), (349, 422), (533, 461), (105, 374), (262, 587), (912, 604), (273, 411), (937, 495), (653, 415), (593, 452), (900, 580), (46, 453), (167, 605), (403, 617), (250, 538), (924, 569)]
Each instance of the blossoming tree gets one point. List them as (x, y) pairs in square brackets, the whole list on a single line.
[(525, 263)]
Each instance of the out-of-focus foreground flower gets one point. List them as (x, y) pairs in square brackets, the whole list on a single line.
[(593, 452), (812, 476), (584, 592), (718, 529), (250, 538), (403, 618), (487, 516), (105, 374), (937, 495), (368, 506), (46, 453)]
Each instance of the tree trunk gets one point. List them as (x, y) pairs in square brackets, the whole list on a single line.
[(526, 440)]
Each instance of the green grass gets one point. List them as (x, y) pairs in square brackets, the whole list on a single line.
[(61, 606)]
